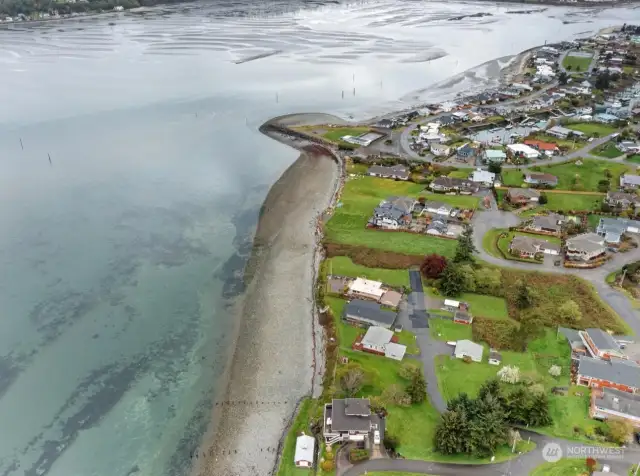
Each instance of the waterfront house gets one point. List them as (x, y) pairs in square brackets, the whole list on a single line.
[(398, 172), (393, 212), (522, 196), (305, 450), (585, 247), (494, 156), (560, 132), (349, 419), (365, 289), (629, 181), (537, 178), (623, 375), (549, 148), (609, 403), (522, 150), (467, 348), (622, 199), (381, 341), (368, 313), (529, 247), (551, 223)]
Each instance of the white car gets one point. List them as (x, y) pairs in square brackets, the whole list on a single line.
[(376, 437)]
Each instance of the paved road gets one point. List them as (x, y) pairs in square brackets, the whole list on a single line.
[(521, 466)]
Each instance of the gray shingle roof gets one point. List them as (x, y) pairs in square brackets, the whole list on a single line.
[(572, 335), (619, 401), (586, 242), (350, 414), (602, 340), (617, 371), (369, 311), (523, 192)]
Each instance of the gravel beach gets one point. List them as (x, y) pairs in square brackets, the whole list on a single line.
[(273, 364)]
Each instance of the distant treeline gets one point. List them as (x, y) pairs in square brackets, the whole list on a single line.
[(14, 8)]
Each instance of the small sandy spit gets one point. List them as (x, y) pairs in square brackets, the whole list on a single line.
[(277, 359)]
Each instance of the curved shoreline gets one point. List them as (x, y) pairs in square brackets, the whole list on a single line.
[(273, 366)]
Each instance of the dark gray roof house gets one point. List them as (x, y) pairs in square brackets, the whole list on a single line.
[(602, 340), (397, 171), (618, 372), (616, 401), (550, 223), (368, 313)]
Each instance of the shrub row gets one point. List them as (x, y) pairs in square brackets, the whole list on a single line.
[(373, 258)]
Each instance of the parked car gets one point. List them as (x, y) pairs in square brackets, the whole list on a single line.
[(376, 437)]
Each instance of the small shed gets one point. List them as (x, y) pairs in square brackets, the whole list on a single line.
[(305, 449), (494, 357), (451, 305)]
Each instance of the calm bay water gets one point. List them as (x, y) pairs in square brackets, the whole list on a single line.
[(116, 257)]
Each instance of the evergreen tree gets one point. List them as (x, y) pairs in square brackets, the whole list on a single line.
[(451, 435), (523, 298), (489, 429), (417, 389), (465, 248), (452, 281), (539, 410)]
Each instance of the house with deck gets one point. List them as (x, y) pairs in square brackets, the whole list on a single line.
[(349, 420), (397, 172), (585, 247), (393, 213), (551, 223), (612, 404), (522, 196), (451, 184), (613, 229), (529, 247), (622, 199), (368, 313)]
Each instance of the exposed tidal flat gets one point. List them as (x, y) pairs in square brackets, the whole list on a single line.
[(122, 288)]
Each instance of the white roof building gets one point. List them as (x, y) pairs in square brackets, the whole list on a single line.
[(467, 348), (305, 449), (365, 287), (524, 150), (378, 339), (451, 303), (483, 176)]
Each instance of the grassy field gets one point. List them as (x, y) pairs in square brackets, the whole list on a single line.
[(576, 63), (591, 128), (362, 195), (460, 173), (634, 158), (300, 424), (512, 177), (572, 201), (571, 412), (593, 221), (343, 266), (336, 133), (608, 150), (455, 376), (564, 467), (569, 144), (443, 329), (491, 307), (585, 177)]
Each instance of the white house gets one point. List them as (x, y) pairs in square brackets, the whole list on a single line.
[(365, 288), (437, 208), (523, 150), (378, 340), (467, 348), (483, 177), (305, 449)]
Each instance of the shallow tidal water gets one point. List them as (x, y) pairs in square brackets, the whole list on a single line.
[(131, 176)]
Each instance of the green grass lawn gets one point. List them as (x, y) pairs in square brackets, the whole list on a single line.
[(460, 173), (362, 195), (569, 412), (512, 177), (491, 307), (489, 242), (634, 158), (336, 133), (493, 244), (347, 334), (585, 177), (591, 128), (357, 168), (443, 329), (343, 266), (455, 376), (564, 467), (608, 150), (576, 63), (300, 424), (572, 201), (593, 221)]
